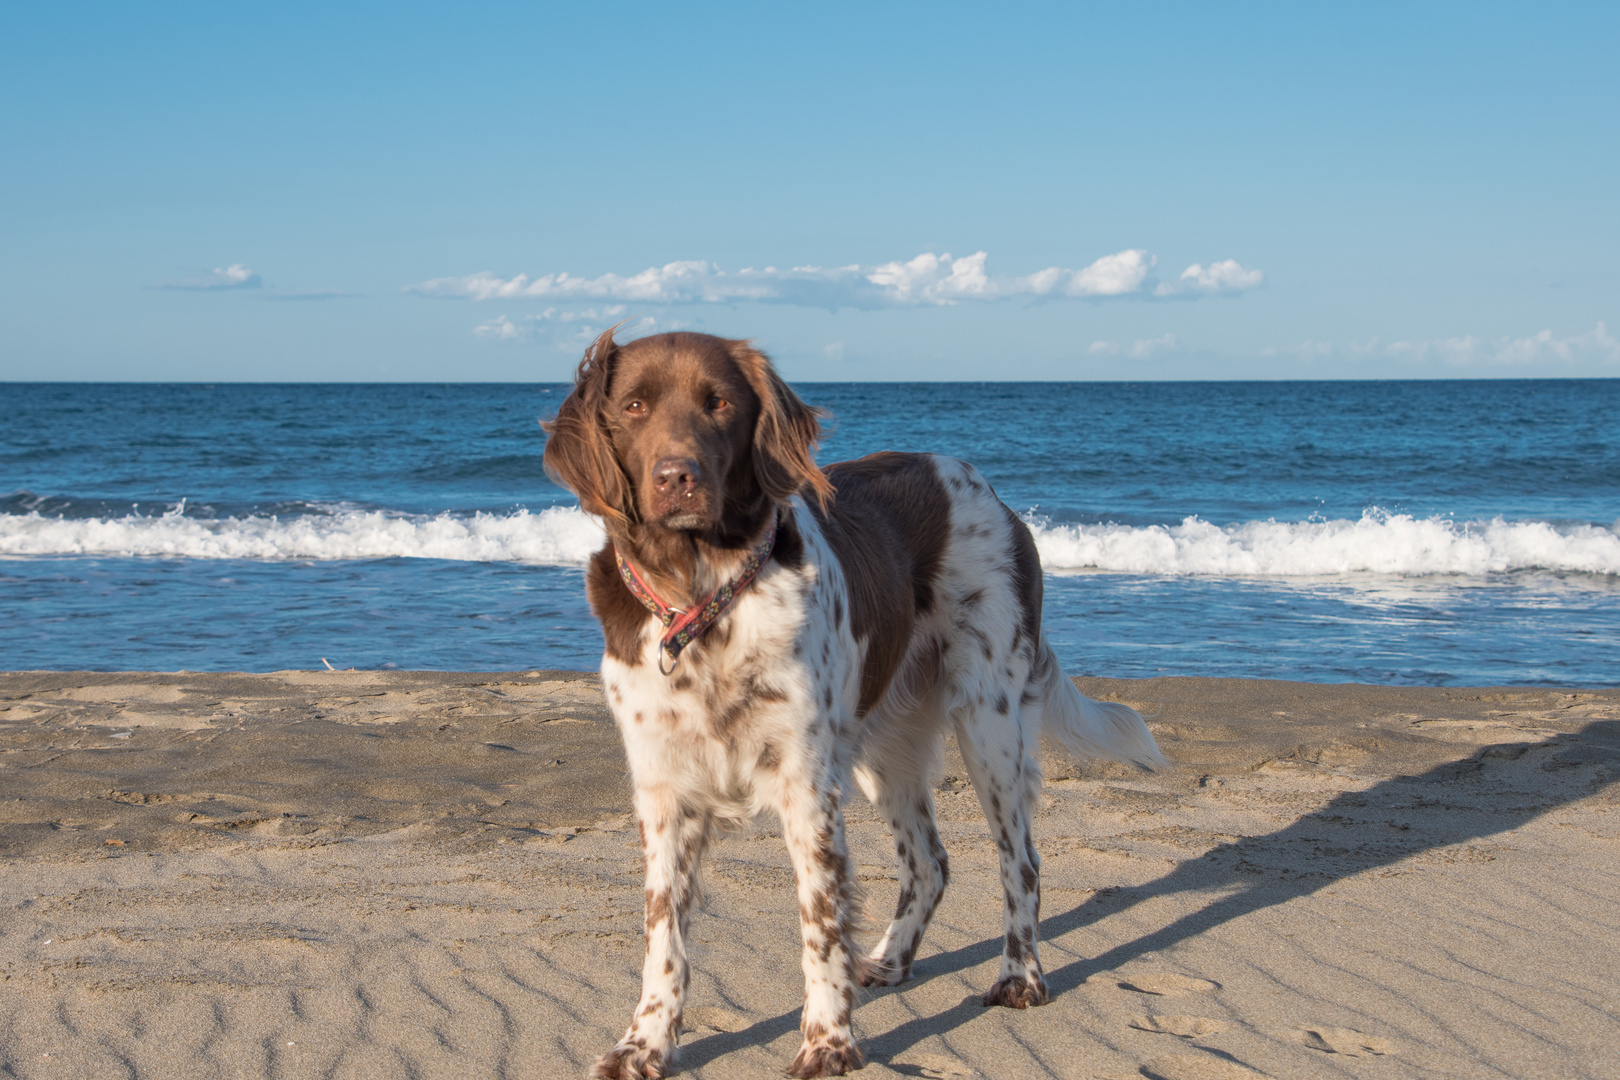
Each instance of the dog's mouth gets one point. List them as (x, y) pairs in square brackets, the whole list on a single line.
[(685, 522), (684, 511)]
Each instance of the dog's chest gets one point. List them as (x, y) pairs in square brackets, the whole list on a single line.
[(746, 691)]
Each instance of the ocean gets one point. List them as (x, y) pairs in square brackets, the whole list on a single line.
[(1435, 532)]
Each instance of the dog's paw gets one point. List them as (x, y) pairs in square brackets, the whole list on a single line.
[(1016, 992), (628, 1061), (879, 971), (833, 1055)]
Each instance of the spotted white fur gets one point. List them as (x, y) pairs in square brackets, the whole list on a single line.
[(762, 714)]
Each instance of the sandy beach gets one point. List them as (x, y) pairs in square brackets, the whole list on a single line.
[(364, 874)]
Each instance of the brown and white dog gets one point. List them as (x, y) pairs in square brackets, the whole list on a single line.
[(899, 599)]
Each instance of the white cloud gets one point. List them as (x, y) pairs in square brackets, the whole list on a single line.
[(571, 326), (500, 328), (1226, 276), (1596, 345), (234, 276), (1111, 275), (673, 283), (601, 314), (1543, 348), (1457, 350), (927, 280), (1138, 350)]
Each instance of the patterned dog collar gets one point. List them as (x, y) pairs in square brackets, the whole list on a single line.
[(681, 628)]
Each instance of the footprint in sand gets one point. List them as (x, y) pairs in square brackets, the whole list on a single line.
[(1197, 1067), (1168, 984), (704, 1018), (1188, 1027), (937, 1066), (1346, 1041)]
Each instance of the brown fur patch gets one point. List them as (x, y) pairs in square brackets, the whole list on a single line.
[(789, 550), (770, 757), (622, 616), (1026, 577), (1016, 992), (579, 449), (826, 1057), (887, 526), (658, 909)]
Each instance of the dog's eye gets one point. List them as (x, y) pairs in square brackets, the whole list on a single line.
[(636, 408), (716, 403)]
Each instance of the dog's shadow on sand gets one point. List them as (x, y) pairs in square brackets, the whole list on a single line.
[(1450, 804)]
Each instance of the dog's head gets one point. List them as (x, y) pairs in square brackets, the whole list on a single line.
[(675, 430)]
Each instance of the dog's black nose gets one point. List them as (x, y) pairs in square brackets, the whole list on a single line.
[(676, 474)]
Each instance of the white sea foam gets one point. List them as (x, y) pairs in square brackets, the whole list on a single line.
[(1376, 543), (560, 536), (563, 536)]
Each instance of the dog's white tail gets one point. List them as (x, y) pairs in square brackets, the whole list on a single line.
[(1089, 728)]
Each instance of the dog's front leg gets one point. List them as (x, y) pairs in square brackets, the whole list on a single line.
[(672, 841), (813, 826)]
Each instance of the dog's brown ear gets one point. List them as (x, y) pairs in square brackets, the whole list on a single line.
[(786, 434), (579, 451)]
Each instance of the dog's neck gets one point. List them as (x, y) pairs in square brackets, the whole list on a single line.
[(685, 566)]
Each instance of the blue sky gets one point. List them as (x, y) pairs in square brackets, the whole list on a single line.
[(456, 192)]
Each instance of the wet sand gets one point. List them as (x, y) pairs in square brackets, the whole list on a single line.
[(363, 874)]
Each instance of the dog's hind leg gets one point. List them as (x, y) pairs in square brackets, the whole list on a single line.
[(1006, 776), (673, 838), (897, 783)]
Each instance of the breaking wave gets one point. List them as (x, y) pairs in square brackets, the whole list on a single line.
[(1378, 542), (560, 536)]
